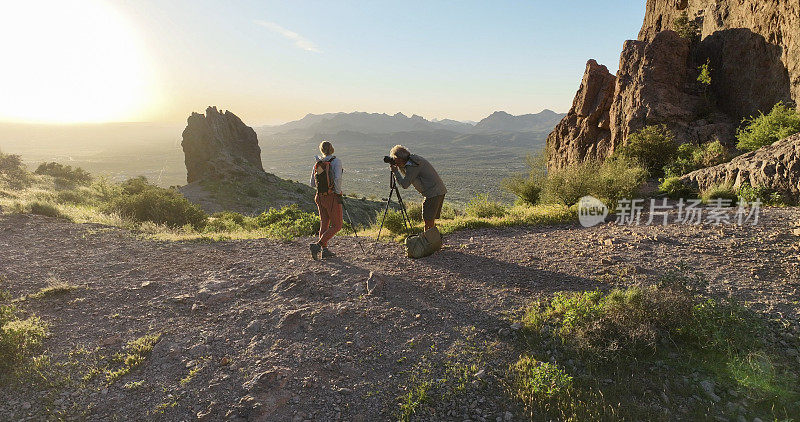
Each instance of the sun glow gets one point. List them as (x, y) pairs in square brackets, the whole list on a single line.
[(69, 62)]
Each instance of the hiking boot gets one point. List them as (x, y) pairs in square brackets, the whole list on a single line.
[(315, 250), (326, 253)]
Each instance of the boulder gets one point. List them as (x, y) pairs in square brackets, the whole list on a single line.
[(219, 146), (775, 167)]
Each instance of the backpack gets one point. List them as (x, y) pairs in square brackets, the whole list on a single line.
[(424, 244), (323, 176)]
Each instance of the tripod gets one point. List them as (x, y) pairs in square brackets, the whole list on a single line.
[(392, 190)]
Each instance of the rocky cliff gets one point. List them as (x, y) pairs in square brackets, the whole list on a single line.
[(219, 146), (753, 47)]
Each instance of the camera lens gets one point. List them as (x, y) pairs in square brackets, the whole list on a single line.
[(387, 159)]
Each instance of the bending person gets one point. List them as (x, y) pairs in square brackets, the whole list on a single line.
[(410, 169)]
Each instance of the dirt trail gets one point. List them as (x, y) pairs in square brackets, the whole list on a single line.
[(264, 333)]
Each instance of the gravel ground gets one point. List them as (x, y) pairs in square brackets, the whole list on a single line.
[(262, 332)]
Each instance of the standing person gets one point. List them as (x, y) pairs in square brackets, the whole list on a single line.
[(410, 169), (326, 176)]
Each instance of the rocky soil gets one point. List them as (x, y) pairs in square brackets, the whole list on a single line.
[(256, 330)]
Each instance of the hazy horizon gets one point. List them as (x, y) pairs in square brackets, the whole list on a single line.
[(272, 62)]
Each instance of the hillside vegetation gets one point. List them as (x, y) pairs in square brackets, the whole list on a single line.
[(71, 193)]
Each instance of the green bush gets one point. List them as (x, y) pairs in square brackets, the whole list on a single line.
[(142, 202), (653, 147), (65, 173), (13, 172), (610, 181), (227, 221), (481, 207), (767, 196), (46, 209), (18, 337), (529, 188), (719, 192), (393, 222), (414, 211), (539, 385), (691, 157), (704, 76), (136, 185), (763, 130), (686, 28), (73, 196), (675, 189), (288, 222)]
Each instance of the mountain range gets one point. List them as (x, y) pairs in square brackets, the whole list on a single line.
[(373, 123)]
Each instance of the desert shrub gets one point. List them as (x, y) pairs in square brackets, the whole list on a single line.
[(528, 188), (288, 222), (614, 179), (725, 192), (449, 212), (691, 157), (767, 196), (136, 185), (686, 28), (704, 73), (481, 207), (763, 130), (64, 173), (653, 147), (675, 189), (393, 221), (228, 221), (633, 321), (141, 201), (539, 385), (414, 210), (46, 209), (19, 338), (13, 172)]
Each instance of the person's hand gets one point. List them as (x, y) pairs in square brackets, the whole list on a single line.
[(393, 166)]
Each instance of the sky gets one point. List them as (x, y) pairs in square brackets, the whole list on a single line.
[(269, 62)]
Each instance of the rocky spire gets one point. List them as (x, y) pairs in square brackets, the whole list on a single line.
[(219, 146)]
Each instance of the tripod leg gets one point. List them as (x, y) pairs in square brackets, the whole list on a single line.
[(403, 210), (353, 227), (386, 210)]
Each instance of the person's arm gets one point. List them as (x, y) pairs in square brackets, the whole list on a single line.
[(313, 181), (411, 173), (336, 168)]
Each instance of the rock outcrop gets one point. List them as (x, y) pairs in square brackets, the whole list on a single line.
[(224, 171), (775, 167), (776, 22), (220, 146), (754, 50), (584, 133)]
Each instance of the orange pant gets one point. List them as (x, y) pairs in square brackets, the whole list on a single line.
[(330, 216)]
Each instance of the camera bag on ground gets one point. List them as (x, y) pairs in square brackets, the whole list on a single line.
[(424, 244), (323, 176)]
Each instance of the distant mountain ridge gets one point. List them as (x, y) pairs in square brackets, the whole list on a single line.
[(500, 121), (371, 123)]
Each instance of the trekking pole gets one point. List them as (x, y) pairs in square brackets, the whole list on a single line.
[(353, 227)]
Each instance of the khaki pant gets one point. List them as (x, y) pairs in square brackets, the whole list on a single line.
[(331, 216)]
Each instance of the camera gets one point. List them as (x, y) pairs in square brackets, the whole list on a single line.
[(388, 160)]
